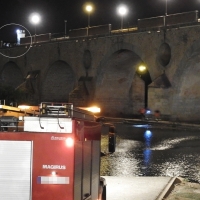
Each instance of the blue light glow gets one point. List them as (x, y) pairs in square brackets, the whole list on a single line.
[(147, 156), (147, 134), (142, 125), (147, 151), (147, 137), (148, 112)]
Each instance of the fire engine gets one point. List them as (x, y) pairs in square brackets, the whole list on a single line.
[(52, 153)]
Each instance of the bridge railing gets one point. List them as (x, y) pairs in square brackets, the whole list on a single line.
[(178, 19), (154, 23)]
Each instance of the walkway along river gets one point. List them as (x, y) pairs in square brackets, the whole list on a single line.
[(148, 150)]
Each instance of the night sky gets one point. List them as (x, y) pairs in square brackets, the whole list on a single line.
[(54, 12)]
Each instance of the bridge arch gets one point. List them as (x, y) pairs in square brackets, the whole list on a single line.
[(58, 82), (186, 83), (117, 83), (11, 75)]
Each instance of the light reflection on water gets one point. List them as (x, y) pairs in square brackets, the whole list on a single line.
[(153, 152), (147, 151), (170, 143)]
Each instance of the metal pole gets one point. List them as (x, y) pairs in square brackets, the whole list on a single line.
[(35, 35), (88, 23), (165, 22), (65, 27), (122, 23), (88, 19)]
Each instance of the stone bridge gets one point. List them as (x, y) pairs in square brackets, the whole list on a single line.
[(104, 71)]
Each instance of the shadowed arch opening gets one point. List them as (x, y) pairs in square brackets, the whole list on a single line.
[(58, 83), (120, 91), (186, 98), (11, 75)]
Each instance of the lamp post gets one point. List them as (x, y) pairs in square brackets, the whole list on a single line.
[(89, 9), (35, 19), (65, 27), (122, 10), (165, 19), (165, 7), (142, 72)]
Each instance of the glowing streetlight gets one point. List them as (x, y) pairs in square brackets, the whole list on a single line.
[(143, 73), (35, 19), (142, 68), (122, 11), (89, 9)]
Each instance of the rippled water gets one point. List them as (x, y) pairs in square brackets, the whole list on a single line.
[(153, 151)]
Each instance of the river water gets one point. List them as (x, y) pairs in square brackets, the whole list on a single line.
[(153, 151)]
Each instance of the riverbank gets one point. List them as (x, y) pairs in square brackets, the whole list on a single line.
[(150, 188), (152, 122), (183, 190)]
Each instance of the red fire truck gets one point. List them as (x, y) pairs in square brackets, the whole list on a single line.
[(55, 157)]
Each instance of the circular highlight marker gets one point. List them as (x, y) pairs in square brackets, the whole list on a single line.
[(11, 24)]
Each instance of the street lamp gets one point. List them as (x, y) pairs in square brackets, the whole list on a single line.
[(89, 9), (122, 11), (142, 68), (35, 19), (142, 72)]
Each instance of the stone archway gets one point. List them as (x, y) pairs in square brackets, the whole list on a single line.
[(186, 98), (58, 83), (119, 90), (11, 75)]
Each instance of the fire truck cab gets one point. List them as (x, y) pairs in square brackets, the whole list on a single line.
[(55, 157)]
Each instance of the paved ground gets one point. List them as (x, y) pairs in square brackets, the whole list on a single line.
[(151, 188), (137, 188)]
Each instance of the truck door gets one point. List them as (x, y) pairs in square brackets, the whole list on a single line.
[(15, 169)]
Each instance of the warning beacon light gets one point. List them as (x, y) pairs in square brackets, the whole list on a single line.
[(69, 142)]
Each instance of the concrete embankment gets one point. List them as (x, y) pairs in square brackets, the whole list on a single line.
[(138, 188), (152, 122)]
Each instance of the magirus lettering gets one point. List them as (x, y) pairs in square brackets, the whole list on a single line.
[(53, 167)]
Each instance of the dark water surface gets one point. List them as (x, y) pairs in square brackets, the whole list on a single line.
[(151, 151)]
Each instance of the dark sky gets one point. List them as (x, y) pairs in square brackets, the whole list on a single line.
[(54, 12)]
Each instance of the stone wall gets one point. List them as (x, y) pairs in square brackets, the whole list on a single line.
[(112, 61)]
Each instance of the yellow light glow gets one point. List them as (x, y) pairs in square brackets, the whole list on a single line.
[(142, 68), (93, 109), (24, 107), (88, 8)]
